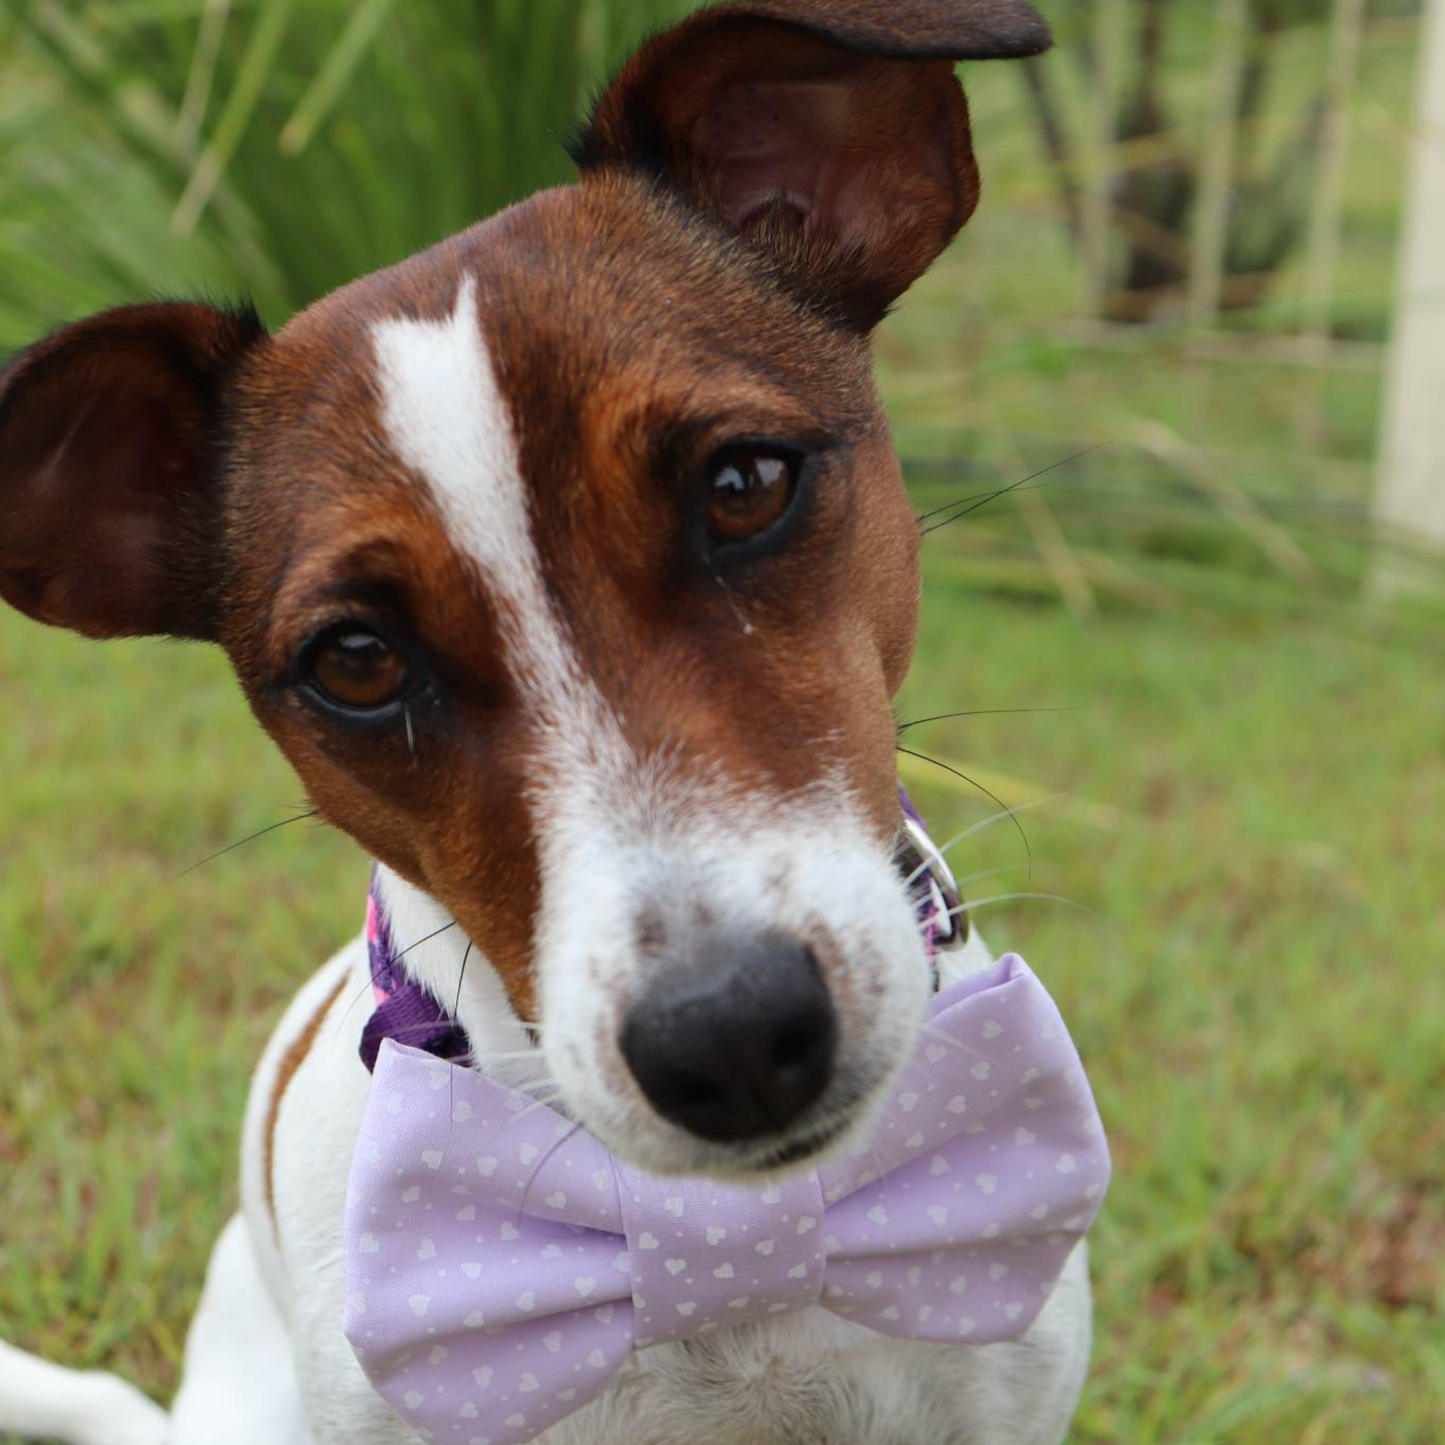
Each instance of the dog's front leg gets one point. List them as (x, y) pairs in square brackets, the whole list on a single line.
[(239, 1386), (41, 1400)]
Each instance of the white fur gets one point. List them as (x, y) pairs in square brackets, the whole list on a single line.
[(805, 868), (240, 1385), (41, 1400), (446, 418)]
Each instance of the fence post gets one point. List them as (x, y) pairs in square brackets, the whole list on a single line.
[(1326, 214), (1109, 40), (1410, 490), (1211, 228)]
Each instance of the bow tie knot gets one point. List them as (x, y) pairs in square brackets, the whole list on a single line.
[(701, 1252), (502, 1265)]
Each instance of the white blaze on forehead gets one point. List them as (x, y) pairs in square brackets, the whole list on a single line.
[(446, 418)]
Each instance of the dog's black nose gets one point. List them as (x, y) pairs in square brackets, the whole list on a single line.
[(739, 1043)]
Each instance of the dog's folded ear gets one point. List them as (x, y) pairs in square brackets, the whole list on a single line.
[(110, 469), (833, 135)]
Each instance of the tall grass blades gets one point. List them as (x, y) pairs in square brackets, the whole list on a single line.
[(159, 147)]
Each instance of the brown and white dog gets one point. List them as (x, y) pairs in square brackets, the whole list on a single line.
[(570, 564)]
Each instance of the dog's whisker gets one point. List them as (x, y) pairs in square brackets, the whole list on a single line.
[(524, 1113), (975, 904), (918, 722), (396, 958), (942, 853), (974, 783), (990, 873), (542, 1092), (401, 1031), (435, 933), (368, 987), (974, 878), (521, 1065), (981, 500), (461, 974), (457, 1005), (404, 1031), (967, 877), (929, 1032), (241, 843), (537, 1168), (993, 818)]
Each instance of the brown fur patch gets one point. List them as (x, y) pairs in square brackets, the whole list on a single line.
[(107, 469)]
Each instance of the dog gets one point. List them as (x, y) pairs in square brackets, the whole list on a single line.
[(570, 565)]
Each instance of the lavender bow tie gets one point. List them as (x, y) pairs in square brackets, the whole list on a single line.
[(501, 1266)]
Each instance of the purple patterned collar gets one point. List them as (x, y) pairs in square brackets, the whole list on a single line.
[(408, 1013), (405, 1010)]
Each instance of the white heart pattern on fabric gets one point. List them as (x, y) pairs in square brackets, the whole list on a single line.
[(963, 1202)]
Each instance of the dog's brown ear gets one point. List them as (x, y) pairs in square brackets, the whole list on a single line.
[(110, 469), (832, 134)]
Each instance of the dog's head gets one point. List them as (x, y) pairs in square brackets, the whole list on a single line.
[(570, 564)]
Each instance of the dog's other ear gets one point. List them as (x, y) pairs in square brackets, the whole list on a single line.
[(832, 134), (109, 469)]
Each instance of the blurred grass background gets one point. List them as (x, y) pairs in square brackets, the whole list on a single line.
[(1244, 788)]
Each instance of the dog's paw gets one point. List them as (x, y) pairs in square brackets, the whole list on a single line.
[(119, 1414)]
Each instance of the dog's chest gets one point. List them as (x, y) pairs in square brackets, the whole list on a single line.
[(811, 1379), (815, 1379)]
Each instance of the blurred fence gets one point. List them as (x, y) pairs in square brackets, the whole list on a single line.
[(1411, 496), (1222, 184), (1187, 247), (1201, 150)]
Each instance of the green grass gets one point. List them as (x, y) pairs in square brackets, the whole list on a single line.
[(281, 152), (1250, 807), (1245, 790)]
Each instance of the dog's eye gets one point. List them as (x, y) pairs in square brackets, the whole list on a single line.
[(748, 489), (356, 669)]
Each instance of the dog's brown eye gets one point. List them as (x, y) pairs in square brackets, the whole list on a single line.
[(358, 670), (749, 489)]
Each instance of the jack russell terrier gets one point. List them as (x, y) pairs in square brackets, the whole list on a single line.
[(570, 564)]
